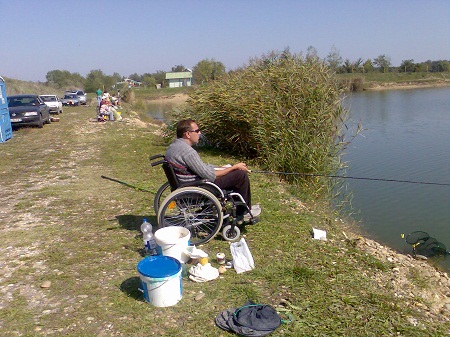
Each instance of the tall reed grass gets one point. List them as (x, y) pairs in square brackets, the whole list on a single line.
[(282, 111)]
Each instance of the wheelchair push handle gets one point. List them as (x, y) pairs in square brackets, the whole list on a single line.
[(159, 162), (156, 156)]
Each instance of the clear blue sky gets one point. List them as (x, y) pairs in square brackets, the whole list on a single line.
[(144, 36)]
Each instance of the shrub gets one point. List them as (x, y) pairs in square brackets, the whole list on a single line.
[(358, 84), (128, 96), (282, 111)]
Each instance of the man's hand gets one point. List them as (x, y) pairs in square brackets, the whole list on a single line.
[(227, 169), (240, 166)]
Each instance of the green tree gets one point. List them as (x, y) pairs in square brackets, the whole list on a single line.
[(383, 63), (334, 59), (407, 66), (348, 66), (116, 77), (208, 70), (358, 65), (160, 77), (65, 79), (135, 77), (440, 66), (95, 79), (368, 66), (110, 82), (178, 68), (148, 80)]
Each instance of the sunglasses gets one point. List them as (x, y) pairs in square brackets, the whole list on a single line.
[(196, 131)]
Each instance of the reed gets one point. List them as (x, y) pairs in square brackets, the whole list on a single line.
[(282, 111)]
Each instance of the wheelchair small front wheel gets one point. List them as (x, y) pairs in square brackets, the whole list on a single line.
[(230, 234)]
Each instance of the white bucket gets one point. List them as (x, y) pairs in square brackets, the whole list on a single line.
[(172, 241), (160, 280)]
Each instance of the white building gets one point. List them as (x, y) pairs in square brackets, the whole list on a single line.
[(179, 79)]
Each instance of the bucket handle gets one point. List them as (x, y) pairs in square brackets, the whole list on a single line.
[(170, 246)]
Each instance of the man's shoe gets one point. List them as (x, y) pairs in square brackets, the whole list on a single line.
[(255, 210)]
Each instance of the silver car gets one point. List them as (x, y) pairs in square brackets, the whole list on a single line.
[(80, 93), (53, 102), (70, 100)]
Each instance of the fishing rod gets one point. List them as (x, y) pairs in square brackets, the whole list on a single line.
[(349, 177), (129, 185)]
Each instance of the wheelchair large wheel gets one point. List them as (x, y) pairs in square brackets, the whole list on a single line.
[(195, 209), (160, 195)]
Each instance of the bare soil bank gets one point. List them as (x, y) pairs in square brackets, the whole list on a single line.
[(407, 85)]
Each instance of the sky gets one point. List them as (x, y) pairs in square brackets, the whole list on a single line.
[(146, 36)]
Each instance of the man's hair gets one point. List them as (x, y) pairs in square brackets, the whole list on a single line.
[(183, 126)]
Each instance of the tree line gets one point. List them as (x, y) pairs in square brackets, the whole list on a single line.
[(209, 70), (381, 63)]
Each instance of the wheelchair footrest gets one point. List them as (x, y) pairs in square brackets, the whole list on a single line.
[(254, 221)]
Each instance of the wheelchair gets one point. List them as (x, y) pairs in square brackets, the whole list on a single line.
[(200, 206)]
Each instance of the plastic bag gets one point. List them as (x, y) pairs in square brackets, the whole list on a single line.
[(319, 234), (242, 258)]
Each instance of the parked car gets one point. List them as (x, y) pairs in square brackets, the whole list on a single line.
[(81, 96), (70, 99), (80, 93), (53, 102), (28, 110)]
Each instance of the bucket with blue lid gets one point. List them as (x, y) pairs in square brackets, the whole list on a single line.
[(160, 280)]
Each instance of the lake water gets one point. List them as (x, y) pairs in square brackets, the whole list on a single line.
[(407, 137), (158, 110)]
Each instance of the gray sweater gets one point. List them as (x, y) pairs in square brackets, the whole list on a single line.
[(187, 163)]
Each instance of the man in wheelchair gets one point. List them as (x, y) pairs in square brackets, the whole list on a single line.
[(189, 167)]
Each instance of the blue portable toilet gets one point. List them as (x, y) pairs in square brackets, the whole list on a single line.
[(5, 121)]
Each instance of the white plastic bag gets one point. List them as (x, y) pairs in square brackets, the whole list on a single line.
[(319, 234), (242, 258)]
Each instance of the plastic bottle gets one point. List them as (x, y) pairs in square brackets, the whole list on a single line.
[(151, 248)]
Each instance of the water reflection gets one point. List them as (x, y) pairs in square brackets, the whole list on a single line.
[(158, 110)]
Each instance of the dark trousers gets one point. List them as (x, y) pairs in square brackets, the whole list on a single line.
[(237, 181)]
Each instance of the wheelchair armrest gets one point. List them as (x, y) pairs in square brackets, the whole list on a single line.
[(193, 183)]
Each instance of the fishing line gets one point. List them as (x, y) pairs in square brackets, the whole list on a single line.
[(349, 177), (129, 185)]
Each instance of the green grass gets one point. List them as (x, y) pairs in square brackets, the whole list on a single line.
[(65, 224)]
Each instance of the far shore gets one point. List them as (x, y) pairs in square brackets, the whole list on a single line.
[(182, 98), (407, 85), (176, 99)]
